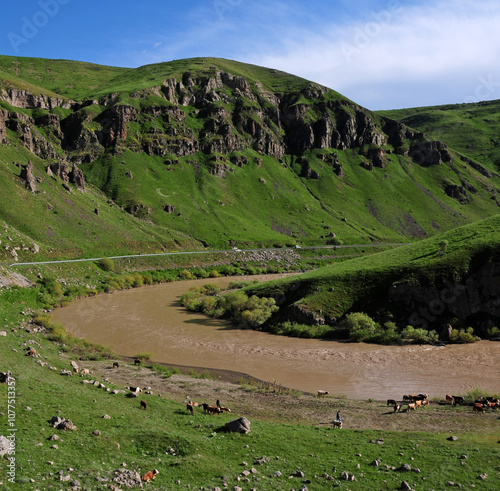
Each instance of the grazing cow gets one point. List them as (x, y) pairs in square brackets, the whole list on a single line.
[(478, 407), (211, 409), (144, 405), (337, 424), (223, 409), (190, 408), (418, 403), (397, 408), (323, 393), (149, 476), (417, 397), (457, 400), (31, 352), (391, 402), (425, 402), (411, 407), (450, 399), (116, 364)]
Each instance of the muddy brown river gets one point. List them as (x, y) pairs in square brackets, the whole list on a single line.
[(149, 319)]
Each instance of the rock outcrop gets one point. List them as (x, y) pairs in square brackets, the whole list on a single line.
[(3, 129), (27, 174), (25, 100), (272, 124)]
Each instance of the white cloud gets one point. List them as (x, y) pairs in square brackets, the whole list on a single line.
[(445, 47)]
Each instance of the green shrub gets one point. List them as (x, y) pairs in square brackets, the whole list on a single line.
[(143, 356), (106, 264), (475, 394), (419, 335), (493, 332), (463, 336), (361, 326)]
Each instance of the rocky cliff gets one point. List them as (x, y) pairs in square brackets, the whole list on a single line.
[(213, 112), (473, 300)]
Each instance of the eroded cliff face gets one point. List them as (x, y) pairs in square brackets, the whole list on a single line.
[(220, 113), (472, 301), (215, 113)]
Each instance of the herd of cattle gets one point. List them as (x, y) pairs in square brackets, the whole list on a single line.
[(207, 408), (414, 401)]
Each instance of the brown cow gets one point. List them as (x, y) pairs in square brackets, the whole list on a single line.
[(411, 407), (211, 409), (149, 476), (144, 405), (478, 407), (457, 400), (450, 399)]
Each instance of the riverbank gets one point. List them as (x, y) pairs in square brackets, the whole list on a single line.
[(150, 320), (273, 402)]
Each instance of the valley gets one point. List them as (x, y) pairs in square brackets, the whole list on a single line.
[(377, 233)]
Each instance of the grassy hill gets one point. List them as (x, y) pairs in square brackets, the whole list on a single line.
[(471, 129), (428, 285), (217, 153)]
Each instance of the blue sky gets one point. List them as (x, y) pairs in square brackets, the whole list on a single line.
[(381, 54)]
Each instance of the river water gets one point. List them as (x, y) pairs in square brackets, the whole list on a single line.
[(149, 319)]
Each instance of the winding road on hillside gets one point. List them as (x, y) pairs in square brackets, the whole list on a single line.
[(234, 251)]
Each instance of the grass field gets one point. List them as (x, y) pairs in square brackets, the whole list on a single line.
[(290, 434)]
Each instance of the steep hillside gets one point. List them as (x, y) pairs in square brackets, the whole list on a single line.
[(471, 129), (451, 279), (211, 152)]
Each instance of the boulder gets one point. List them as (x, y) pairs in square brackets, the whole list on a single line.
[(127, 478), (240, 425), (62, 423), (4, 445)]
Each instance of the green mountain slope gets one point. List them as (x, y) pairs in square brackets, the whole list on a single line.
[(471, 129), (216, 153), (451, 279)]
